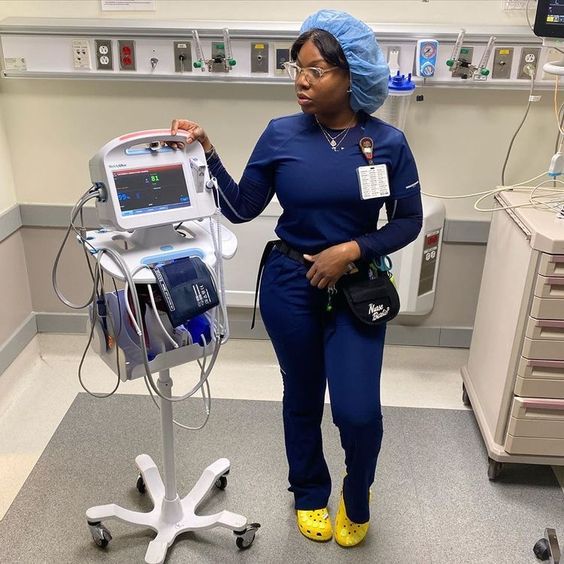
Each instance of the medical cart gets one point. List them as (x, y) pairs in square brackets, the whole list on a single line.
[(514, 379)]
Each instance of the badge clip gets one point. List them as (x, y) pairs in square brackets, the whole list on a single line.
[(367, 147)]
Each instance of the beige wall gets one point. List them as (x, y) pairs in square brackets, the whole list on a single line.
[(459, 137), (41, 246), (405, 11), (7, 188), (14, 286), (455, 305)]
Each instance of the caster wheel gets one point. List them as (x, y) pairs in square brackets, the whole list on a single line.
[(221, 483), (245, 538), (541, 550), (141, 484), (494, 469), (465, 398), (100, 534)]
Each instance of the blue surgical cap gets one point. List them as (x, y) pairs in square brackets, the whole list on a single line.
[(368, 68)]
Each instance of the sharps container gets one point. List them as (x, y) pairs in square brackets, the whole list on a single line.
[(394, 109)]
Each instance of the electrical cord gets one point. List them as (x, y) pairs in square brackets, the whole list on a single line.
[(233, 210), (120, 263), (518, 128), (95, 318), (485, 192), (528, 15), (90, 194), (528, 204), (97, 297), (158, 317), (556, 110)]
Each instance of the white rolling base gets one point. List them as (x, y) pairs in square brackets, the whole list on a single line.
[(171, 515), (171, 518)]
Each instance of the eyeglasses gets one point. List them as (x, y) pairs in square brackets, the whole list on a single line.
[(312, 74)]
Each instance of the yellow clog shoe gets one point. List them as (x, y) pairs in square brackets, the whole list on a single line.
[(348, 533), (315, 524)]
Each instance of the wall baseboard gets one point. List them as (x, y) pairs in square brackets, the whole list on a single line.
[(20, 338), (240, 328), (75, 323), (10, 221), (462, 231), (61, 322)]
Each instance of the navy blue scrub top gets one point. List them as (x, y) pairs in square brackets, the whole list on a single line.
[(319, 190)]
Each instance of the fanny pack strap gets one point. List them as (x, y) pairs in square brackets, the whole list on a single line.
[(285, 249), (267, 250)]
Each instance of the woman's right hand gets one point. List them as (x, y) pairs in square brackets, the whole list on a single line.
[(195, 133)]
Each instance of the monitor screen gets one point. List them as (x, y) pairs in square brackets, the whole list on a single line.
[(549, 21), (146, 190), (555, 13)]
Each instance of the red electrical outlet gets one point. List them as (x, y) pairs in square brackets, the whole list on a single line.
[(126, 49)]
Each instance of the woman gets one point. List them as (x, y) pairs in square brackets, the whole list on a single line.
[(311, 161)]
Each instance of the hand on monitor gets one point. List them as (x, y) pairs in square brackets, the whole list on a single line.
[(195, 133)]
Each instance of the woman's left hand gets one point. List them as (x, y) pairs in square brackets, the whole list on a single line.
[(329, 265)]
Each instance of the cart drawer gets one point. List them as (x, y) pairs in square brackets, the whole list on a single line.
[(540, 378), (551, 265), (549, 286), (536, 446), (536, 427), (532, 409), (543, 369), (539, 388), (547, 308), (544, 349), (552, 329)]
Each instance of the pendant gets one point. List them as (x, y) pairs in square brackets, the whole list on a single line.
[(333, 143)]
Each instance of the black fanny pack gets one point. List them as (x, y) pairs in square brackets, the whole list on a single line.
[(370, 295)]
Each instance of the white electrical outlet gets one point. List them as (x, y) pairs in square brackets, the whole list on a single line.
[(81, 54)]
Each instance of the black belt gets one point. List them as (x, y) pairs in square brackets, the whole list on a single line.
[(285, 249)]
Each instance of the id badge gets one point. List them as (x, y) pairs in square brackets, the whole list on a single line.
[(373, 181)]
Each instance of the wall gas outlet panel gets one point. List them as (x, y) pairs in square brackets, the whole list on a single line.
[(503, 59), (281, 56), (426, 57), (126, 50), (104, 54), (466, 54), (259, 56), (182, 56), (81, 54), (218, 56)]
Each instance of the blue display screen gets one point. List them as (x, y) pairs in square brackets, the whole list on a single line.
[(147, 190), (555, 12)]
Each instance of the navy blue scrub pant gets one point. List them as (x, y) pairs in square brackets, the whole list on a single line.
[(315, 348)]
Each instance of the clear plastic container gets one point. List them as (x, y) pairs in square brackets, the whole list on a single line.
[(395, 108)]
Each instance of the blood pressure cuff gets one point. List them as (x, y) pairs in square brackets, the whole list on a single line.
[(187, 288)]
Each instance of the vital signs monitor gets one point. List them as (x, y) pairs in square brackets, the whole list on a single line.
[(147, 183)]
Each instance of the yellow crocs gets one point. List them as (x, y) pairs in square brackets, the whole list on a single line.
[(347, 533), (315, 524)]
